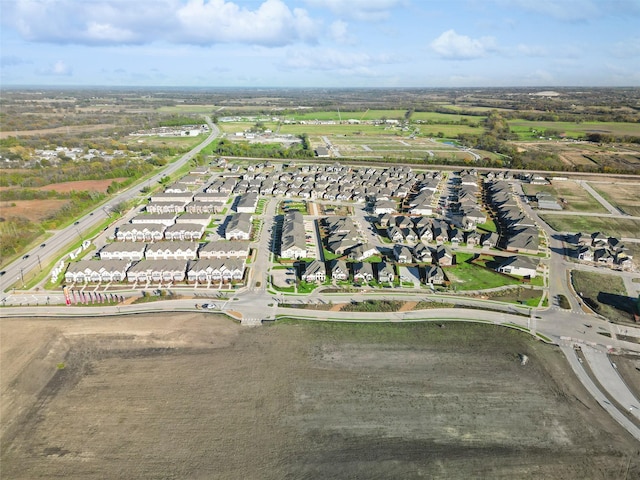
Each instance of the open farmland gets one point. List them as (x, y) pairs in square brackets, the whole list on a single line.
[(619, 227), (624, 196), (573, 196), (81, 185), (196, 396), (527, 129), (33, 210)]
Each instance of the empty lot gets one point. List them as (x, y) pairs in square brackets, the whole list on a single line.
[(196, 396)]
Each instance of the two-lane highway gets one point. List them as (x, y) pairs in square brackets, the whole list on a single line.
[(15, 274)]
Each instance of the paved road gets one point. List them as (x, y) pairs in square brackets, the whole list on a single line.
[(613, 210), (42, 256), (597, 394), (607, 375)]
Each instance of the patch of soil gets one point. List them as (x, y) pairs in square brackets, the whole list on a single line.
[(408, 306), (34, 210), (198, 396), (82, 185)]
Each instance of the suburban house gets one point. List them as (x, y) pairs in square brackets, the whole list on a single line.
[(315, 272), (434, 275), (184, 231), (247, 203), (157, 271), (422, 253), (362, 252), (402, 253), (140, 233), (215, 270), (97, 271), (133, 251), (339, 270), (362, 272), (386, 272), (224, 249), (520, 266), (238, 227), (384, 206), (443, 257), (180, 250), (293, 244)]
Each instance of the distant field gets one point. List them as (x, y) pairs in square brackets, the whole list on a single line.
[(70, 130), (182, 142), (189, 109), (624, 196), (524, 128), (33, 210), (577, 198), (619, 227), (445, 117), (82, 185), (349, 115)]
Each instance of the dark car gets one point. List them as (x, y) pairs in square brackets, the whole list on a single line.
[(76, 223), (25, 257), (43, 245), (3, 272)]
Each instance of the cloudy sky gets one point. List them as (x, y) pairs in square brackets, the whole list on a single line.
[(320, 43)]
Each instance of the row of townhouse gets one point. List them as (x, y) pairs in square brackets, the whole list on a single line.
[(177, 250), (519, 232), (214, 270), (383, 272), (403, 228), (155, 232), (600, 249), (238, 226), (293, 242)]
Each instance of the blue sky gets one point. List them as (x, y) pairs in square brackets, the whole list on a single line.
[(320, 43)]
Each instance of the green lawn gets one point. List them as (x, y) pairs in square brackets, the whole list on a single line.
[(468, 276), (619, 227)]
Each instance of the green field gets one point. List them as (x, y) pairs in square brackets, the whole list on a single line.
[(436, 117), (186, 108), (619, 227), (469, 276), (525, 128)]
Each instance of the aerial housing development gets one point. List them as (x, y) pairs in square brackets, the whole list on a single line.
[(351, 273)]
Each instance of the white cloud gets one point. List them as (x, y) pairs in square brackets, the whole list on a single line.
[(202, 22), (363, 10), (57, 69), (451, 45), (339, 32), (273, 23)]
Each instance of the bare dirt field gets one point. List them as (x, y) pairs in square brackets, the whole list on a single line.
[(198, 396), (34, 210), (70, 130), (82, 185)]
